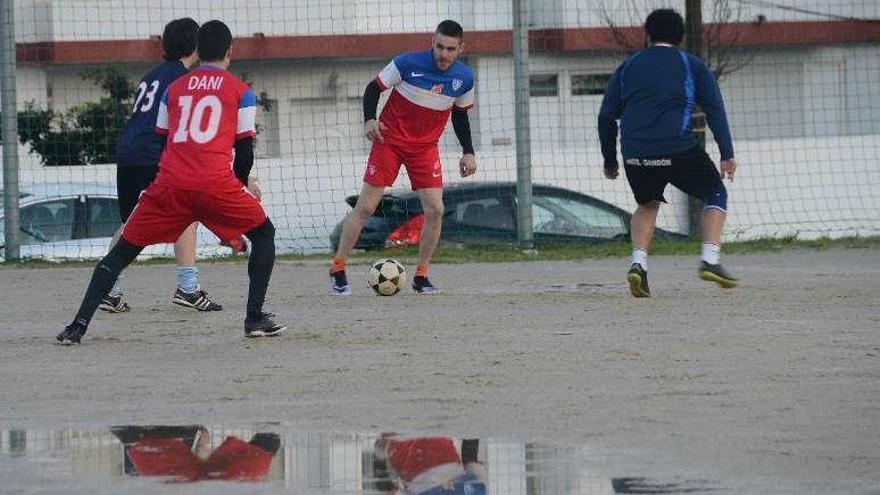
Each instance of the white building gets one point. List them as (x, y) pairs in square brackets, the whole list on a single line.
[(804, 107)]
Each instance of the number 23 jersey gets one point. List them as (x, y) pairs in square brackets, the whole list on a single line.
[(138, 144), (203, 114)]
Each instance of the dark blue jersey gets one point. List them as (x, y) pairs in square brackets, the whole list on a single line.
[(139, 145), (654, 93)]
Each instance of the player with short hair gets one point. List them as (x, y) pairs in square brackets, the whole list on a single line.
[(654, 93), (426, 87), (137, 163), (205, 114)]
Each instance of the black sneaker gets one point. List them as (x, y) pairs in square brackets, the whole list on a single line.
[(339, 283), (638, 281), (717, 274), (72, 334), (113, 304), (197, 300), (423, 286), (264, 326)]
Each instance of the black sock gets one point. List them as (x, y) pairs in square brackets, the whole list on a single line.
[(103, 278), (260, 264)]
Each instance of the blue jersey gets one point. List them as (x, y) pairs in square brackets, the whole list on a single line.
[(139, 145), (654, 93)]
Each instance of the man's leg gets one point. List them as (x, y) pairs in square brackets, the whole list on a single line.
[(642, 226), (185, 254), (432, 206), (130, 182), (697, 176), (188, 293), (366, 204), (711, 227), (105, 274), (228, 214), (260, 264), (113, 301)]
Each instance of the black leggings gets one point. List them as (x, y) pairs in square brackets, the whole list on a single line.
[(260, 264), (104, 276)]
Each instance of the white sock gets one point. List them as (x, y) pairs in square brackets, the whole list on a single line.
[(711, 253), (640, 256)]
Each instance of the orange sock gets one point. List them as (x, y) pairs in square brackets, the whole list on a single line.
[(421, 270), (338, 265)]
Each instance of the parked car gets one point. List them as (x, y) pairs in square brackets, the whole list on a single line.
[(77, 221), (487, 212)]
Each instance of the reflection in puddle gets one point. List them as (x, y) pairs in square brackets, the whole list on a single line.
[(289, 461), (187, 453)]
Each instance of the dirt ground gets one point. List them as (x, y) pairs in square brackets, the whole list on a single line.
[(773, 387)]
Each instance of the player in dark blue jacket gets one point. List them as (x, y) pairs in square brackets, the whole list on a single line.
[(653, 94), (137, 156)]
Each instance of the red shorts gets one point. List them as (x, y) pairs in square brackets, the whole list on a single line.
[(163, 213), (422, 165)]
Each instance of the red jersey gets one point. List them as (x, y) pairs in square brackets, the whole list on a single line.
[(413, 457), (234, 460), (423, 97), (204, 113)]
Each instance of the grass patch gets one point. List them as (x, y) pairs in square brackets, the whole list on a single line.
[(500, 253)]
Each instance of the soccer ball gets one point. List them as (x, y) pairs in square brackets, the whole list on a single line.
[(386, 277)]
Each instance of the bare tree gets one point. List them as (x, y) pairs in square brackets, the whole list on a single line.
[(720, 35)]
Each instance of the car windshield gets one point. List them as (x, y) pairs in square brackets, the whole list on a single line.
[(555, 215), (48, 221)]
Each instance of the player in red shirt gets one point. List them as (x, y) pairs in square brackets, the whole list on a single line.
[(233, 460), (427, 87), (431, 465), (205, 114)]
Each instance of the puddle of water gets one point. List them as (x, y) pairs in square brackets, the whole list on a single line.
[(219, 459)]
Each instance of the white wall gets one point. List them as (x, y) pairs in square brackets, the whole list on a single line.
[(44, 20), (67, 20)]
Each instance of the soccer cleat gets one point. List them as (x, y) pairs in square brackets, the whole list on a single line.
[(113, 304), (72, 334), (422, 285), (717, 274), (638, 281), (339, 283), (197, 300), (264, 326)]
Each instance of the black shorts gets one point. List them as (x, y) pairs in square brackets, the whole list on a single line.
[(130, 181), (691, 171)]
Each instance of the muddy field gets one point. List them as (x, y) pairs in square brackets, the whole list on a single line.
[(773, 387)]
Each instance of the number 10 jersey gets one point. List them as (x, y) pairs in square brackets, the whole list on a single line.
[(204, 113)]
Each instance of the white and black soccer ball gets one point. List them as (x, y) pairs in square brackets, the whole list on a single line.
[(386, 277)]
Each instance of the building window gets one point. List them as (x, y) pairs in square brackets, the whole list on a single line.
[(544, 85), (589, 84)]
